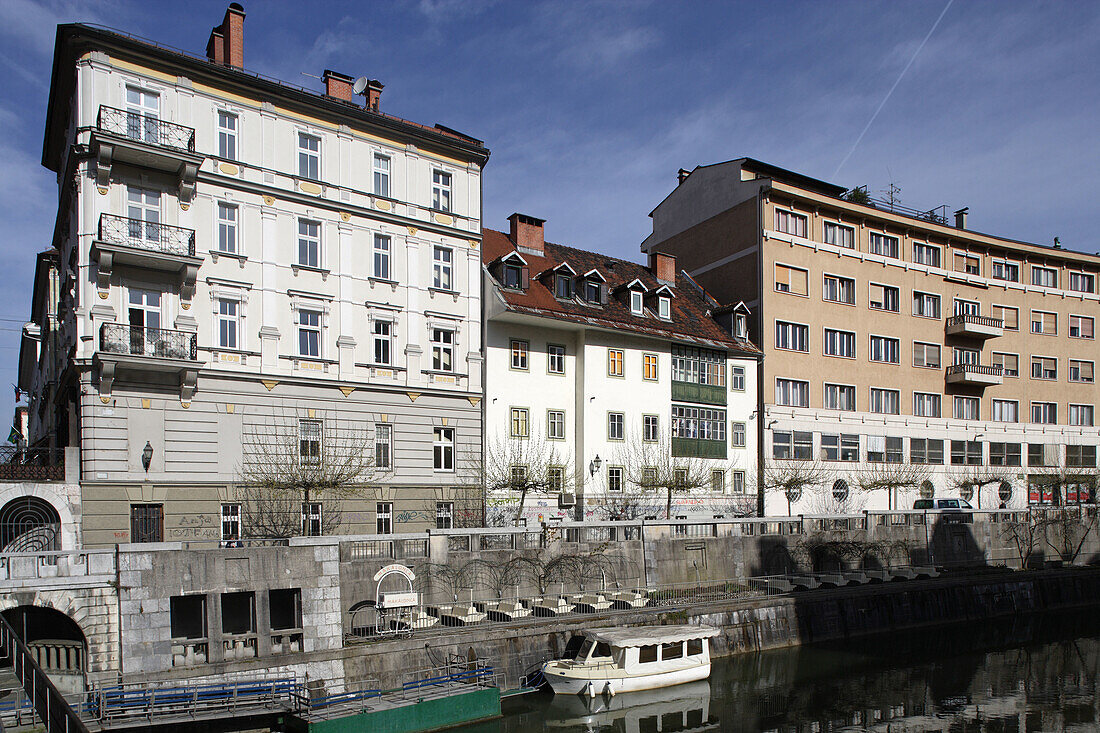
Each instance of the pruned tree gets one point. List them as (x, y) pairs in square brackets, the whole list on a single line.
[(891, 478), (293, 458), (1066, 528), (651, 466), (971, 481), (837, 497), (1023, 532), (522, 466), (631, 503), (793, 478)]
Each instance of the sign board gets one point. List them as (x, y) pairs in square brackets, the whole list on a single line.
[(399, 600), (395, 568)]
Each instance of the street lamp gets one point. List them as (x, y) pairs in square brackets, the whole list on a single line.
[(146, 456), (594, 465)]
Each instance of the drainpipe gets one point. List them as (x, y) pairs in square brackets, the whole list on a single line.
[(118, 605), (760, 417)]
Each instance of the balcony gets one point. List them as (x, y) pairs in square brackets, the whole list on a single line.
[(698, 448), (147, 244), (143, 351), (147, 141), (981, 327), (707, 394), (981, 375)]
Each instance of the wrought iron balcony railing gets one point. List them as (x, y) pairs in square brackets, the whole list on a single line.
[(146, 128), (995, 370), (966, 318), (119, 338), (147, 235)]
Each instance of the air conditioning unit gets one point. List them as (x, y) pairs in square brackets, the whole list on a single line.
[(567, 500)]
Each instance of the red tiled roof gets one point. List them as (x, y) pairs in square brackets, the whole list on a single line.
[(691, 321)]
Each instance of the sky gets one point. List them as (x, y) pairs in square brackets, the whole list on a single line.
[(590, 108)]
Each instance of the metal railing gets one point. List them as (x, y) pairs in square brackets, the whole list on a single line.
[(52, 708), (146, 128), (117, 704), (965, 318), (163, 343), (146, 235), (994, 370), (31, 464)]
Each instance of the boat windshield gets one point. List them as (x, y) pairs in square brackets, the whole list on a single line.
[(585, 649), (603, 650)]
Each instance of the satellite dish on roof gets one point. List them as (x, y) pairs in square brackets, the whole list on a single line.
[(360, 85)]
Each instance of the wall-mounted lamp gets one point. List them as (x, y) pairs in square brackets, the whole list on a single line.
[(594, 465), (772, 424), (752, 415), (146, 456)]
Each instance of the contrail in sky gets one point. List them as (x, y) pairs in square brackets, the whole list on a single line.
[(898, 81)]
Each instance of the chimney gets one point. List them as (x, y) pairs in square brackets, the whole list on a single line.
[(960, 217), (374, 95), (527, 232), (226, 44), (337, 85), (664, 267), (681, 175)]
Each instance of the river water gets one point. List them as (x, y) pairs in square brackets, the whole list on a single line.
[(1031, 673)]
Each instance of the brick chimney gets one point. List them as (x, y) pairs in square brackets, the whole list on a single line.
[(374, 95), (226, 44), (664, 267), (527, 232), (337, 85)]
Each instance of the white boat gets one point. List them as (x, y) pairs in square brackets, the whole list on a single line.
[(624, 660)]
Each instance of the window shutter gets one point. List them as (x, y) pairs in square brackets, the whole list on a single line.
[(603, 293), (525, 278)]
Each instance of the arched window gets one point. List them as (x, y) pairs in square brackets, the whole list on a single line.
[(29, 524), (840, 490)]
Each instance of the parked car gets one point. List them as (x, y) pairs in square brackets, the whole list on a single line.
[(956, 510)]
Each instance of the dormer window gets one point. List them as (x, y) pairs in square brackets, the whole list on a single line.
[(636, 297), (592, 292), (664, 308), (741, 326), (513, 276), (563, 287)]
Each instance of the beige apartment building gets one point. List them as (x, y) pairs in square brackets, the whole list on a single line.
[(904, 356)]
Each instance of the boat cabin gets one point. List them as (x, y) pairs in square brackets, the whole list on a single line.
[(647, 650)]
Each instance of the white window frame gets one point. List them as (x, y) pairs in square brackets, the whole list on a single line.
[(444, 515), (999, 411), (519, 355), (840, 282), (882, 306), (443, 268), (924, 248), (664, 307), (1043, 409), (880, 354), (637, 302), (227, 134), (840, 339), (1080, 278), (1079, 364), (966, 408), (927, 404), (738, 435), (442, 190), (787, 333), (383, 517), (304, 329), (788, 221), (553, 353), (881, 399), (928, 301), (1081, 321), (651, 428), (1082, 415), (227, 222), (831, 230), (787, 389), (519, 422), (383, 332), (1039, 272), (443, 450), (923, 351), (555, 424), (232, 320), (382, 259), (832, 393), (309, 158), (616, 426), (887, 245), (381, 168), (737, 378), (311, 431), (310, 242), (383, 446), (443, 349)]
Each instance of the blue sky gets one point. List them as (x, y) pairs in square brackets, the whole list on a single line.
[(589, 108)]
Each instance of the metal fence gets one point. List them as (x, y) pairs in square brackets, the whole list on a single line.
[(31, 464), (146, 128), (121, 338), (147, 235)]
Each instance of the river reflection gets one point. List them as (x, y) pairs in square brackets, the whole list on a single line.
[(1034, 673)]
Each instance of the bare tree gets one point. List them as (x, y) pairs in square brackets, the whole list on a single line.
[(651, 466), (970, 481), (631, 503), (793, 478), (891, 478), (1024, 532), (294, 458), (467, 504), (836, 498), (522, 466), (1066, 528)]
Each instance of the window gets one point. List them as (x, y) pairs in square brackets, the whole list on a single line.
[(383, 514), (309, 156), (792, 336), (555, 359), (519, 354), (1005, 454), (1004, 270), (698, 366), (513, 276), (840, 397), (381, 175), (228, 323), (143, 210), (1080, 327), (884, 298), (649, 477), (519, 422), (1082, 282), (967, 307), (615, 428), (698, 422), (718, 482), (883, 244), (967, 263), (792, 393), (839, 235), (441, 190), (737, 438), (1081, 371), (1046, 277), (311, 519), (309, 333), (382, 249), (966, 453), (926, 451), (614, 362), (1009, 363), (926, 305), (1009, 317), (1044, 323), (738, 482), (555, 479), (231, 522), (309, 442), (227, 228), (1005, 411), (441, 268), (1041, 455), (615, 478), (309, 243), (555, 424), (383, 342), (1044, 413), (926, 355), (796, 445), (637, 298), (444, 515), (146, 522), (649, 367), (885, 401), (885, 349), (737, 383), (1081, 456), (843, 447), (1080, 415), (790, 223), (443, 344), (563, 287), (840, 343), (519, 477), (926, 254), (791, 280), (227, 135), (1044, 367), (650, 428), (967, 408), (383, 446), (839, 289), (593, 292), (884, 449), (142, 113), (664, 307), (444, 449), (926, 404)]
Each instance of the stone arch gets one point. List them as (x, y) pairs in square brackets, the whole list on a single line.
[(63, 498), (29, 524), (93, 610), (55, 641)]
